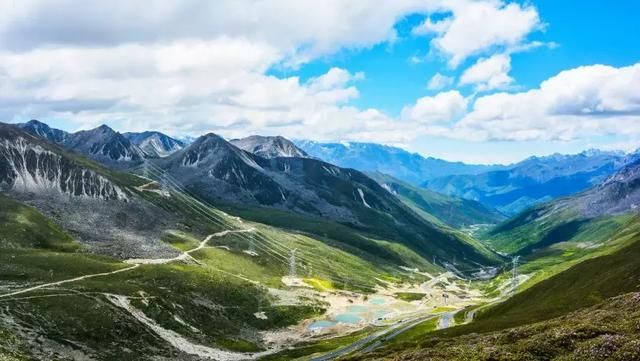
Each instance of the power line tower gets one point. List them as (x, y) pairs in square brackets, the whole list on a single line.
[(164, 182), (292, 263), (514, 273), (145, 169), (252, 245)]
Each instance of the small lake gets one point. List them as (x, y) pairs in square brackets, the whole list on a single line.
[(320, 324), (350, 318), (357, 309)]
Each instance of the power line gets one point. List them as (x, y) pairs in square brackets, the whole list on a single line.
[(204, 209), (514, 273)]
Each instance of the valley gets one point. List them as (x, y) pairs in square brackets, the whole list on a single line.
[(295, 180), (206, 251)]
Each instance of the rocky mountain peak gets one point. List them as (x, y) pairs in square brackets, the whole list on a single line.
[(269, 147)]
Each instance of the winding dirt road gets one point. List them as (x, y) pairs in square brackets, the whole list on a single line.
[(134, 262)]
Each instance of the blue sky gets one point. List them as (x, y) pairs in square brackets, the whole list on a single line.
[(483, 81), (582, 33)]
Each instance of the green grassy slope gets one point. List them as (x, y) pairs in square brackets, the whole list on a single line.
[(436, 207), (24, 227), (218, 296), (220, 305), (552, 237), (607, 331), (380, 243), (583, 285)]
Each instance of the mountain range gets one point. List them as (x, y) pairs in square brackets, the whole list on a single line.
[(219, 172), (370, 157), (453, 211), (206, 249), (508, 189), (583, 220), (155, 144), (534, 180), (269, 147)]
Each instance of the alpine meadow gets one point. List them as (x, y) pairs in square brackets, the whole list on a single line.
[(231, 180)]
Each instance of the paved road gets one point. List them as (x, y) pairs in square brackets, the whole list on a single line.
[(445, 320), (376, 340)]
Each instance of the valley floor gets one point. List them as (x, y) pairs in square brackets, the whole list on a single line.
[(367, 318)]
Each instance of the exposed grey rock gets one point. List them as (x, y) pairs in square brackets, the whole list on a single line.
[(220, 170), (269, 147), (43, 130), (28, 167), (619, 193), (104, 145), (82, 198), (155, 144)]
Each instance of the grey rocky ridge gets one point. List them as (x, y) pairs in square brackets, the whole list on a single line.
[(102, 144), (219, 171), (269, 147), (170, 238), (155, 144)]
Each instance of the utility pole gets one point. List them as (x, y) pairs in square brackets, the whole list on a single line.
[(164, 182), (292, 263), (514, 273), (145, 169), (252, 246)]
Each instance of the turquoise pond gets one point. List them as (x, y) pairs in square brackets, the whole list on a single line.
[(355, 314), (357, 309), (317, 325), (348, 318)]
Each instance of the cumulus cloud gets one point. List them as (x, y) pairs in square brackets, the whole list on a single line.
[(581, 102), (439, 81), (304, 29), (439, 109), (489, 73), (472, 27), (186, 87), (193, 66)]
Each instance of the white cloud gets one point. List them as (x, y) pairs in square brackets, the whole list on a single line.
[(432, 27), (474, 27), (577, 103), (186, 87), (196, 66), (439, 81), (489, 73), (439, 109), (193, 66), (304, 29)]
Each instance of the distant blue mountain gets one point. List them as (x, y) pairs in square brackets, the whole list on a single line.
[(534, 180), (370, 157)]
